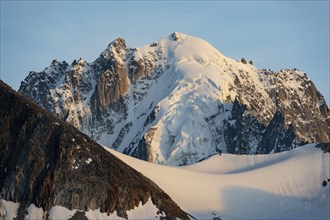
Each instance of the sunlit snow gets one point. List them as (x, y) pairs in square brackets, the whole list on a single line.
[(283, 185)]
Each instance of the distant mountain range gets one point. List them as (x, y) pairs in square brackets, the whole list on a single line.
[(178, 100)]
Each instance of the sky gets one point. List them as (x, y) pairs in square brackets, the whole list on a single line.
[(274, 34)]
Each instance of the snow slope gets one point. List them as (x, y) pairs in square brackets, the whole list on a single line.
[(285, 185), (9, 209)]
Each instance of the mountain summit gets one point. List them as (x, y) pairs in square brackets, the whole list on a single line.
[(179, 100)]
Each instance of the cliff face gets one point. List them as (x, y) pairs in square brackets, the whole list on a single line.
[(179, 100), (300, 103), (46, 162)]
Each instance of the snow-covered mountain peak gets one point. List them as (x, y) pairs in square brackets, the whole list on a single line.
[(189, 46), (177, 36), (117, 47), (178, 100), (81, 62), (55, 66), (118, 43), (183, 46), (57, 63)]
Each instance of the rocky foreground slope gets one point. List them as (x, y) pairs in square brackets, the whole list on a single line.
[(48, 163), (179, 100)]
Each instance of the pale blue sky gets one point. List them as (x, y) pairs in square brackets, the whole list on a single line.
[(274, 34)]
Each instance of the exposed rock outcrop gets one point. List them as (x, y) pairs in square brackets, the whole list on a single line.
[(47, 162)]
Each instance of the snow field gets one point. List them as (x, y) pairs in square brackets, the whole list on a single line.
[(8, 211), (284, 185)]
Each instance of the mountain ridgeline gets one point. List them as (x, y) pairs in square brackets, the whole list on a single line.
[(47, 162), (179, 100)]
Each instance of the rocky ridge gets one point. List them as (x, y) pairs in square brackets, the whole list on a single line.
[(47, 162), (179, 100)]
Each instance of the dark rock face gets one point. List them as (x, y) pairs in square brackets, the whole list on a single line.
[(325, 147), (243, 133), (111, 86), (112, 82), (245, 128), (243, 60), (48, 162), (302, 107), (174, 36), (141, 147), (43, 82), (276, 137)]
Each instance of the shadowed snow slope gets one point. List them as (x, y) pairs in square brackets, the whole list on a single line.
[(284, 185)]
